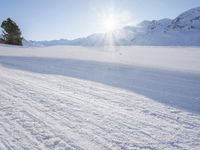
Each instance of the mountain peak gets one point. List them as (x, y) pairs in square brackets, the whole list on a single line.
[(189, 20), (183, 30)]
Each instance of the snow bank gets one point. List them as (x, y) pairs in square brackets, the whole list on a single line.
[(170, 58)]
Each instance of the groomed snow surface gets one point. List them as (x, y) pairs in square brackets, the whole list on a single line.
[(99, 98)]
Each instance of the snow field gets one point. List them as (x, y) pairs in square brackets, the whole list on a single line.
[(64, 103)]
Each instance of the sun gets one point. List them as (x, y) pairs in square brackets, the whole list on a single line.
[(111, 18), (110, 23)]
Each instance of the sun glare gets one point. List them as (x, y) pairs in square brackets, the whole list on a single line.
[(110, 23), (113, 20)]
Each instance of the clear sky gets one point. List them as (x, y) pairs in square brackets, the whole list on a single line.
[(69, 19)]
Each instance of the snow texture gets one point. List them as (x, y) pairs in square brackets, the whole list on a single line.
[(84, 98)]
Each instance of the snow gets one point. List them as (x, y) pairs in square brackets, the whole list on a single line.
[(188, 20), (184, 30), (66, 97)]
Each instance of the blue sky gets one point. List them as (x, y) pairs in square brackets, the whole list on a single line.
[(55, 19)]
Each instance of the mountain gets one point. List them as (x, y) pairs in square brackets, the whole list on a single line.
[(184, 30)]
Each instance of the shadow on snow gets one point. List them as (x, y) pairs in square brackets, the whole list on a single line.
[(176, 89)]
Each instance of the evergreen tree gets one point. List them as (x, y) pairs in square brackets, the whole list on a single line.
[(11, 33)]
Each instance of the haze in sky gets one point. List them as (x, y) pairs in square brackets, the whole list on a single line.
[(69, 19)]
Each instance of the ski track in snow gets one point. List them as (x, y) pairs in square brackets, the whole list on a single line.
[(43, 111), (48, 111)]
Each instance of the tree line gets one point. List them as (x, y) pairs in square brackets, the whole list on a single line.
[(11, 33)]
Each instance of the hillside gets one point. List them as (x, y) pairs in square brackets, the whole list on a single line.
[(184, 30), (69, 97)]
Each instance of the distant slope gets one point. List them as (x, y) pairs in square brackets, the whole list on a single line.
[(184, 30)]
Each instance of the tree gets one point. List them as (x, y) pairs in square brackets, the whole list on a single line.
[(11, 33)]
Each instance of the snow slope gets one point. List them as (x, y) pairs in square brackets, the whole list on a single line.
[(80, 98)]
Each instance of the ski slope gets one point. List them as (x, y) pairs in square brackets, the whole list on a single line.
[(99, 98)]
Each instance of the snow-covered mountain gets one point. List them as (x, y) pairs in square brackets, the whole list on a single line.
[(184, 30)]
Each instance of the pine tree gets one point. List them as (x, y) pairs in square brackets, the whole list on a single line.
[(11, 33)]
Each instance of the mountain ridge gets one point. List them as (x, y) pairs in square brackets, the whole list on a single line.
[(184, 30)]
